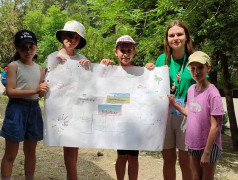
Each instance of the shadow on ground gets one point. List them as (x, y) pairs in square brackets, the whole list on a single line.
[(50, 160), (229, 156), (50, 164)]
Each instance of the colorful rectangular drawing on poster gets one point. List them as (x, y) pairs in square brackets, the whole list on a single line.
[(118, 98), (107, 109)]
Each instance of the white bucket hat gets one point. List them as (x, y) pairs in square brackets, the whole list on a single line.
[(73, 26), (125, 39)]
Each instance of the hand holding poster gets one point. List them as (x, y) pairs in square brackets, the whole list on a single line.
[(110, 107)]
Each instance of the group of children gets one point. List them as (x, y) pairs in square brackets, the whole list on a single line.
[(25, 84)]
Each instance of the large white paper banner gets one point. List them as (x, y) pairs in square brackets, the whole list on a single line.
[(109, 107)]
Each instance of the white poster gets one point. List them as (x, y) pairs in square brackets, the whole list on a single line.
[(108, 107)]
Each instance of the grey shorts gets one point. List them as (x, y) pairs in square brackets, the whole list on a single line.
[(175, 132)]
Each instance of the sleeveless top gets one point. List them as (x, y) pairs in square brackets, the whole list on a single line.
[(28, 77)]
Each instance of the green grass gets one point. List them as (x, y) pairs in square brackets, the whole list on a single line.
[(3, 103)]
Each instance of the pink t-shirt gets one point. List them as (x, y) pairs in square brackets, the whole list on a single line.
[(201, 105)]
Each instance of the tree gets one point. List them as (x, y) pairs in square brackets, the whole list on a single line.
[(216, 30), (10, 21)]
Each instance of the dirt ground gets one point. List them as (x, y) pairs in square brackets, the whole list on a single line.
[(50, 164)]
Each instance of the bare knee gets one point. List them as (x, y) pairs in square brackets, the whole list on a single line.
[(29, 148), (122, 159), (133, 160), (170, 158), (184, 163), (9, 157), (30, 153)]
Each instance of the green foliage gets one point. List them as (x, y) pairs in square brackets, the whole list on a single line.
[(215, 29), (9, 18), (45, 29), (214, 26)]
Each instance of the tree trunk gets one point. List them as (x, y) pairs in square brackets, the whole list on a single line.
[(213, 72), (229, 100)]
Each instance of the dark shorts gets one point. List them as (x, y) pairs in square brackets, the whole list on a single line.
[(128, 152), (23, 120), (215, 153)]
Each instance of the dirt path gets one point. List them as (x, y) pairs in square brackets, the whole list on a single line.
[(50, 164)]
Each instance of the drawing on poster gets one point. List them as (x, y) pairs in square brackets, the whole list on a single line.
[(108, 109), (60, 122), (118, 98), (158, 79), (130, 76), (60, 85), (84, 98)]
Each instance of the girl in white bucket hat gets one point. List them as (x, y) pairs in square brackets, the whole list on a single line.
[(70, 28), (72, 37)]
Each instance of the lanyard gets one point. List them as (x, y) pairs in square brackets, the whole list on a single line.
[(176, 76)]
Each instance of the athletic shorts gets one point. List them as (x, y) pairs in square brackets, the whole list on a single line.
[(23, 120), (215, 153), (175, 132), (128, 152)]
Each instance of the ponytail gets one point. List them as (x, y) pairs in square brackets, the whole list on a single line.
[(16, 56)]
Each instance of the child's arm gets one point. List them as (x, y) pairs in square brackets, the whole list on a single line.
[(11, 90), (205, 160), (180, 108), (107, 62), (43, 86)]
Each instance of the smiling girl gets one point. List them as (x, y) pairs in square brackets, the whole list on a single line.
[(204, 113), (178, 47)]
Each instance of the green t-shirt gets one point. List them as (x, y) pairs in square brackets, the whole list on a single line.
[(185, 78)]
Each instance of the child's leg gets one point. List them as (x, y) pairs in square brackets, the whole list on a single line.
[(70, 160), (11, 149), (133, 167), (185, 165), (208, 172), (121, 166), (29, 148), (196, 168), (170, 157)]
